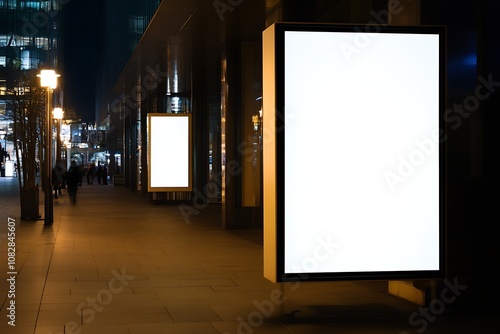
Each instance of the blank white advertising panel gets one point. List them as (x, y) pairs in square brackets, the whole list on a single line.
[(169, 152), (355, 126)]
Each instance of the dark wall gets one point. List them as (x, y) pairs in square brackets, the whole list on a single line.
[(472, 176)]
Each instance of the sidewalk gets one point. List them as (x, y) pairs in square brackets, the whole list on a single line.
[(116, 264)]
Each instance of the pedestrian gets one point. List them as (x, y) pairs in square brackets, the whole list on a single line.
[(73, 178), (82, 172), (90, 173), (105, 175), (99, 173), (58, 178)]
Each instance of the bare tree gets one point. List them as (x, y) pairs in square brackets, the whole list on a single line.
[(27, 105)]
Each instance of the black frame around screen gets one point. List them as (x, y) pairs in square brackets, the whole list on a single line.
[(280, 29)]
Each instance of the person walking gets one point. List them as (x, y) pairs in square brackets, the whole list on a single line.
[(105, 175), (90, 173), (73, 178), (99, 173), (58, 178)]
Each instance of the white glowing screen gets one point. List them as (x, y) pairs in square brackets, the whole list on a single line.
[(361, 152), (169, 151)]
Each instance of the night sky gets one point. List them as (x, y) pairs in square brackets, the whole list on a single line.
[(79, 57)]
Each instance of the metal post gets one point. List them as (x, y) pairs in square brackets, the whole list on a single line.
[(49, 205), (58, 140), (48, 79)]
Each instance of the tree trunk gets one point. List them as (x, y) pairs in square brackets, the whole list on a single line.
[(30, 203)]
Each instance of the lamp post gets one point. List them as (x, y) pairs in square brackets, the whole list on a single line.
[(3, 134), (58, 115), (48, 79)]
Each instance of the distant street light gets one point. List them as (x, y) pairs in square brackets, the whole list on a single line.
[(48, 79)]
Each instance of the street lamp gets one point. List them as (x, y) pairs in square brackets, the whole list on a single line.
[(48, 79), (58, 115)]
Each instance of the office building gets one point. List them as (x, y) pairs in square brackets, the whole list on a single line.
[(30, 39)]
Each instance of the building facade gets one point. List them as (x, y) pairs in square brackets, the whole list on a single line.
[(30, 39), (204, 57), (122, 24)]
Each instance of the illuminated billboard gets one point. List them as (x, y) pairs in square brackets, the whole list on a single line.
[(169, 155), (354, 157)]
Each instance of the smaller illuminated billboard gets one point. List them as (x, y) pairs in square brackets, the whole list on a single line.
[(354, 152), (170, 158)]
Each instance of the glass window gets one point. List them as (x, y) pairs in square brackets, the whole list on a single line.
[(22, 90), (3, 87), (34, 62), (3, 39), (42, 43), (56, 5), (30, 4), (137, 24), (3, 61), (22, 40), (25, 60)]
